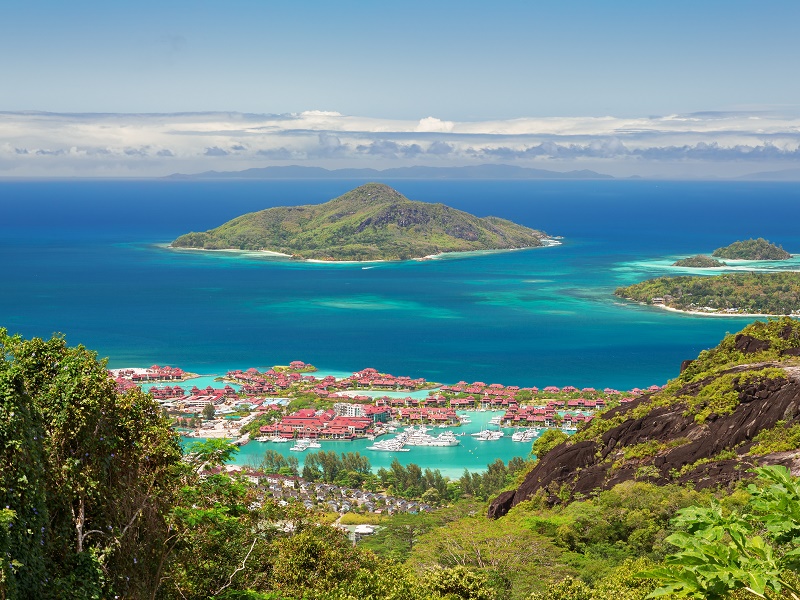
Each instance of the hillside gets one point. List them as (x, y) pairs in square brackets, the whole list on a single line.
[(759, 249), (735, 406), (730, 293), (371, 222), (699, 261)]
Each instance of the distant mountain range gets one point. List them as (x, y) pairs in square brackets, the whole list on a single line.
[(783, 175), (476, 172)]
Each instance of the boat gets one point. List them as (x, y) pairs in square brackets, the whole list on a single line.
[(300, 446), (278, 439), (421, 437), (313, 444), (495, 420), (262, 438), (488, 435), (525, 435), (384, 446)]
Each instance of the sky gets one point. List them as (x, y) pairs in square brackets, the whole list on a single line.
[(625, 87)]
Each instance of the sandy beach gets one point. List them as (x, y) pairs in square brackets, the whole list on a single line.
[(701, 313)]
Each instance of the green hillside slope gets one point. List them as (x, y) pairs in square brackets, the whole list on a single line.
[(371, 222)]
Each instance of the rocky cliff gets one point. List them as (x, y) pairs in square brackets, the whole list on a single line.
[(734, 407)]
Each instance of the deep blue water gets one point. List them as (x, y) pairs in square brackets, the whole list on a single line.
[(82, 258)]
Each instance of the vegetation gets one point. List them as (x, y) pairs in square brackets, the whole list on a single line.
[(699, 261), (87, 476), (752, 293), (371, 222), (751, 249), (96, 501), (756, 550)]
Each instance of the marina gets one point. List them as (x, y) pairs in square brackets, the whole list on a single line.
[(471, 453)]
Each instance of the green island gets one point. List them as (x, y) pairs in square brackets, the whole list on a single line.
[(370, 223), (699, 261), (758, 249), (729, 293), (667, 494)]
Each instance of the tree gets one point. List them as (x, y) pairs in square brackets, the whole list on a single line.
[(398, 535), (460, 582), (86, 470), (209, 411), (720, 552), (547, 441), (211, 452)]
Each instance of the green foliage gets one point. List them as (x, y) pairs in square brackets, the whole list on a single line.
[(398, 535), (460, 583), (568, 588), (347, 468), (758, 249), (497, 476), (211, 452), (700, 261), (775, 293), (721, 551), (412, 482), (218, 543), (316, 560), (265, 418), (628, 521), (209, 411), (547, 441), (275, 462), (620, 583), (370, 222), (780, 438), (87, 472), (514, 559)]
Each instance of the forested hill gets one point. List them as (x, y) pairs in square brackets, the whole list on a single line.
[(371, 222), (734, 407), (759, 249), (732, 293)]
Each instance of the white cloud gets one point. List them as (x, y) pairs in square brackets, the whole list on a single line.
[(159, 144), (434, 124)]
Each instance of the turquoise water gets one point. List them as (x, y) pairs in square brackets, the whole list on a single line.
[(87, 258), (471, 454)]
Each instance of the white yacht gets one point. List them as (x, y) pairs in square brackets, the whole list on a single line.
[(488, 435), (525, 435), (300, 446)]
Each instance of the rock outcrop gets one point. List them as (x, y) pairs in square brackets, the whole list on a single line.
[(702, 429)]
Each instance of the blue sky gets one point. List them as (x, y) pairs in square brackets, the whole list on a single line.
[(455, 61)]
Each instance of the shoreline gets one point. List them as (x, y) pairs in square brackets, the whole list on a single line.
[(700, 313), (547, 242)]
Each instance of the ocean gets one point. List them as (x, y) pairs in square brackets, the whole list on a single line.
[(87, 258)]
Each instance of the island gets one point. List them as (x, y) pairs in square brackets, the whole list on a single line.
[(728, 294), (699, 261), (373, 222), (759, 249)]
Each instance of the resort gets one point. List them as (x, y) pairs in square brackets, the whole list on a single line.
[(256, 405)]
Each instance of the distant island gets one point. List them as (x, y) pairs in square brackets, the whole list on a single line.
[(699, 261), (370, 223), (759, 249), (730, 293), (419, 172)]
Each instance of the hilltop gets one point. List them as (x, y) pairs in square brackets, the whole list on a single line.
[(371, 222), (734, 407), (759, 249), (699, 261)]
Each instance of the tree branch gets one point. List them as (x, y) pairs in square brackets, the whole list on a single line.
[(230, 579)]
